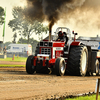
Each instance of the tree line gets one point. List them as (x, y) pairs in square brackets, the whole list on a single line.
[(20, 25)]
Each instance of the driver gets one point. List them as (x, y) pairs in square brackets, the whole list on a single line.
[(60, 35)]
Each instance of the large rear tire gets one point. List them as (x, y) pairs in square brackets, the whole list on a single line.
[(29, 67), (78, 61), (60, 66), (97, 67)]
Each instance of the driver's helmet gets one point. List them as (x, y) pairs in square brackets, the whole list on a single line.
[(65, 33), (60, 34)]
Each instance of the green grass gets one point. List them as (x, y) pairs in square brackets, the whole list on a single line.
[(2, 65), (92, 97), (19, 59)]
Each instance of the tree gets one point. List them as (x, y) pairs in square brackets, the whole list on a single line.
[(23, 26), (1, 15), (14, 36), (31, 41)]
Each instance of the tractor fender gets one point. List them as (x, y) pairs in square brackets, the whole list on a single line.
[(75, 43)]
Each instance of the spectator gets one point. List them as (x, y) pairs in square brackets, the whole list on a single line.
[(4, 50), (0, 49)]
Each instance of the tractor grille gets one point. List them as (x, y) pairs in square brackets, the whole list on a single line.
[(46, 51)]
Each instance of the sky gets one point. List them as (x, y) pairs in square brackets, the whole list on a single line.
[(9, 4)]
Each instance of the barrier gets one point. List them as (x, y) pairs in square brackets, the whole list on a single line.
[(3, 56), (97, 89), (17, 54)]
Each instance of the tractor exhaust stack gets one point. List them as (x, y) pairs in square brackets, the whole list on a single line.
[(49, 33)]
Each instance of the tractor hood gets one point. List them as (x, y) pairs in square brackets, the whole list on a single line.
[(51, 44)]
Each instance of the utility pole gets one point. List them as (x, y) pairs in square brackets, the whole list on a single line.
[(4, 24)]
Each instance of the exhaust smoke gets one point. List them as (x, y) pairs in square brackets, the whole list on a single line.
[(50, 9), (54, 10)]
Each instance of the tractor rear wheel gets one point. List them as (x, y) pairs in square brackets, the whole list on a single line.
[(97, 67), (78, 61), (29, 67), (60, 66)]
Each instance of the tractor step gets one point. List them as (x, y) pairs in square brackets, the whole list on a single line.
[(65, 52)]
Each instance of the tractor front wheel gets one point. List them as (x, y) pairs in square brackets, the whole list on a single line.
[(29, 67), (60, 66)]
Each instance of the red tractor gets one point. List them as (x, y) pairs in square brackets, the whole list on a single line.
[(63, 55)]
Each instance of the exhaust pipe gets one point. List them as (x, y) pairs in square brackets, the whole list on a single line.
[(49, 34)]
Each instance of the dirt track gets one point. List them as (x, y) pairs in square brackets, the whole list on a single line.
[(16, 84), (12, 63)]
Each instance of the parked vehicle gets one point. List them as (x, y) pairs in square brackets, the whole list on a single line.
[(19, 49)]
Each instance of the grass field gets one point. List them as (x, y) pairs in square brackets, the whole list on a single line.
[(19, 59), (2, 65), (92, 97)]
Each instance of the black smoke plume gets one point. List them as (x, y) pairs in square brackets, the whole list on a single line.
[(81, 11), (48, 9)]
